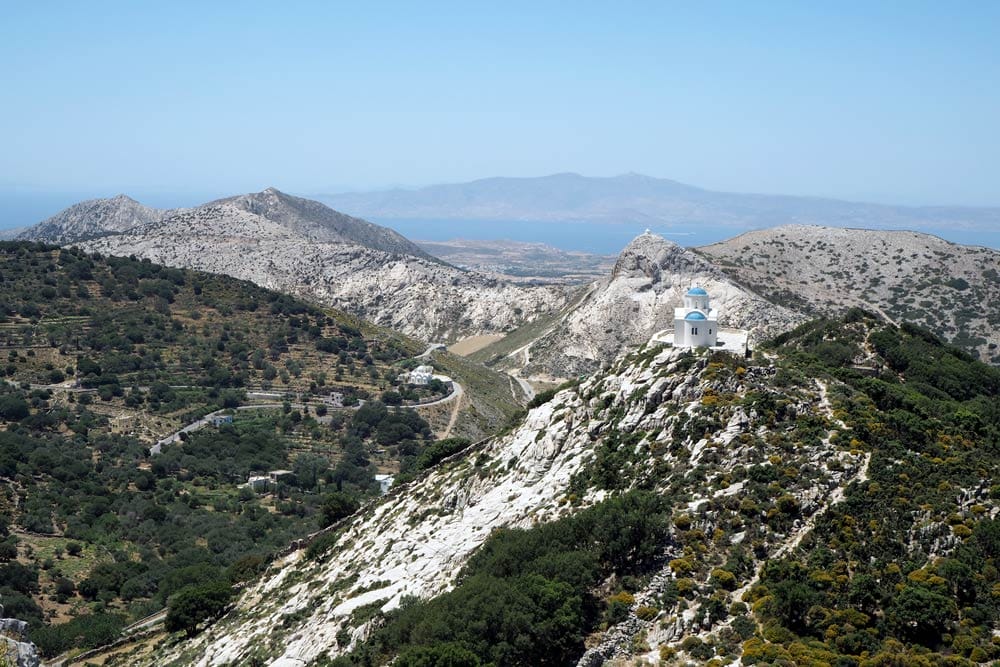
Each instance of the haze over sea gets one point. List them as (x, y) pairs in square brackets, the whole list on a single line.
[(21, 209)]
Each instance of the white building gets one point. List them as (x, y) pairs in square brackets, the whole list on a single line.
[(384, 482), (421, 375), (696, 323), (123, 424), (334, 399)]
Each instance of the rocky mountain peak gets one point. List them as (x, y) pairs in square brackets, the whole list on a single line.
[(649, 255), (94, 218), (645, 254), (638, 299), (318, 223)]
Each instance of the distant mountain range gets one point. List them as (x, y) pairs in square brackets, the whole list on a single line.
[(634, 198)]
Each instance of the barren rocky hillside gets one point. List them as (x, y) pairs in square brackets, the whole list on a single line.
[(95, 217), (700, 508), (625, 308), (953, 290), (313, 221), (412, 293), (304, 248)]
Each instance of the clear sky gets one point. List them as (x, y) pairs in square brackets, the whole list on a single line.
[(894, 102)]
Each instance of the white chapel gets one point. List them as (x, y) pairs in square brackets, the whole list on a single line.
[(696, 323)]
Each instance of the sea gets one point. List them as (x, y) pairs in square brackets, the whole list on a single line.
[(610, 238)]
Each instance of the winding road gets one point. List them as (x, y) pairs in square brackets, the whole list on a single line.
[(456, 394)]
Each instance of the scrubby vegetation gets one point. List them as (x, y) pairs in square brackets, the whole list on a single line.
[(904, 571), (901, 570), (94, 532), (528, 596)]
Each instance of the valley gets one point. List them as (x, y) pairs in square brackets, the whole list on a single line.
[(137, 400), (519, 260)]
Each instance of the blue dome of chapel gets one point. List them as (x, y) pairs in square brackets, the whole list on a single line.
[(695, 315), (697, 291)]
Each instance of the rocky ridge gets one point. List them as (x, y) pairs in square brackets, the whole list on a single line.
[(636, 300), (951, 289), (303, 248), (415, 542), (315, 222)]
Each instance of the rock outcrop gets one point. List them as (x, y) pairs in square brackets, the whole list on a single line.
[(412, 544), (415, 542), (14, 645), (636, 300)]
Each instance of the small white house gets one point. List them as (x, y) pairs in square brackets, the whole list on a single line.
[(696, 323), (421, 375), (219, 420), (384, 483), (258, 482), (334, 399)]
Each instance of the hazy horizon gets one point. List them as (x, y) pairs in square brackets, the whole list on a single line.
[(33, 206)]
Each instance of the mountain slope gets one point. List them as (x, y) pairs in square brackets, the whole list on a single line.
[(624, 309), (104, 357), (315, 222), (95, 217), (8, 234), (777, 513), (641, 199), (393, 283), (953, 290)]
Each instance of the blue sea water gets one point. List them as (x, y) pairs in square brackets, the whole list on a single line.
[(607, 238)]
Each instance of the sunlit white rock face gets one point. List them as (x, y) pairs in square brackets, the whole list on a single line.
[(14, 648), (412, 543), (303, 248), (415, 541)]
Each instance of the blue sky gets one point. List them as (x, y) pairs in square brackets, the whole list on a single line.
[(893, 102)]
